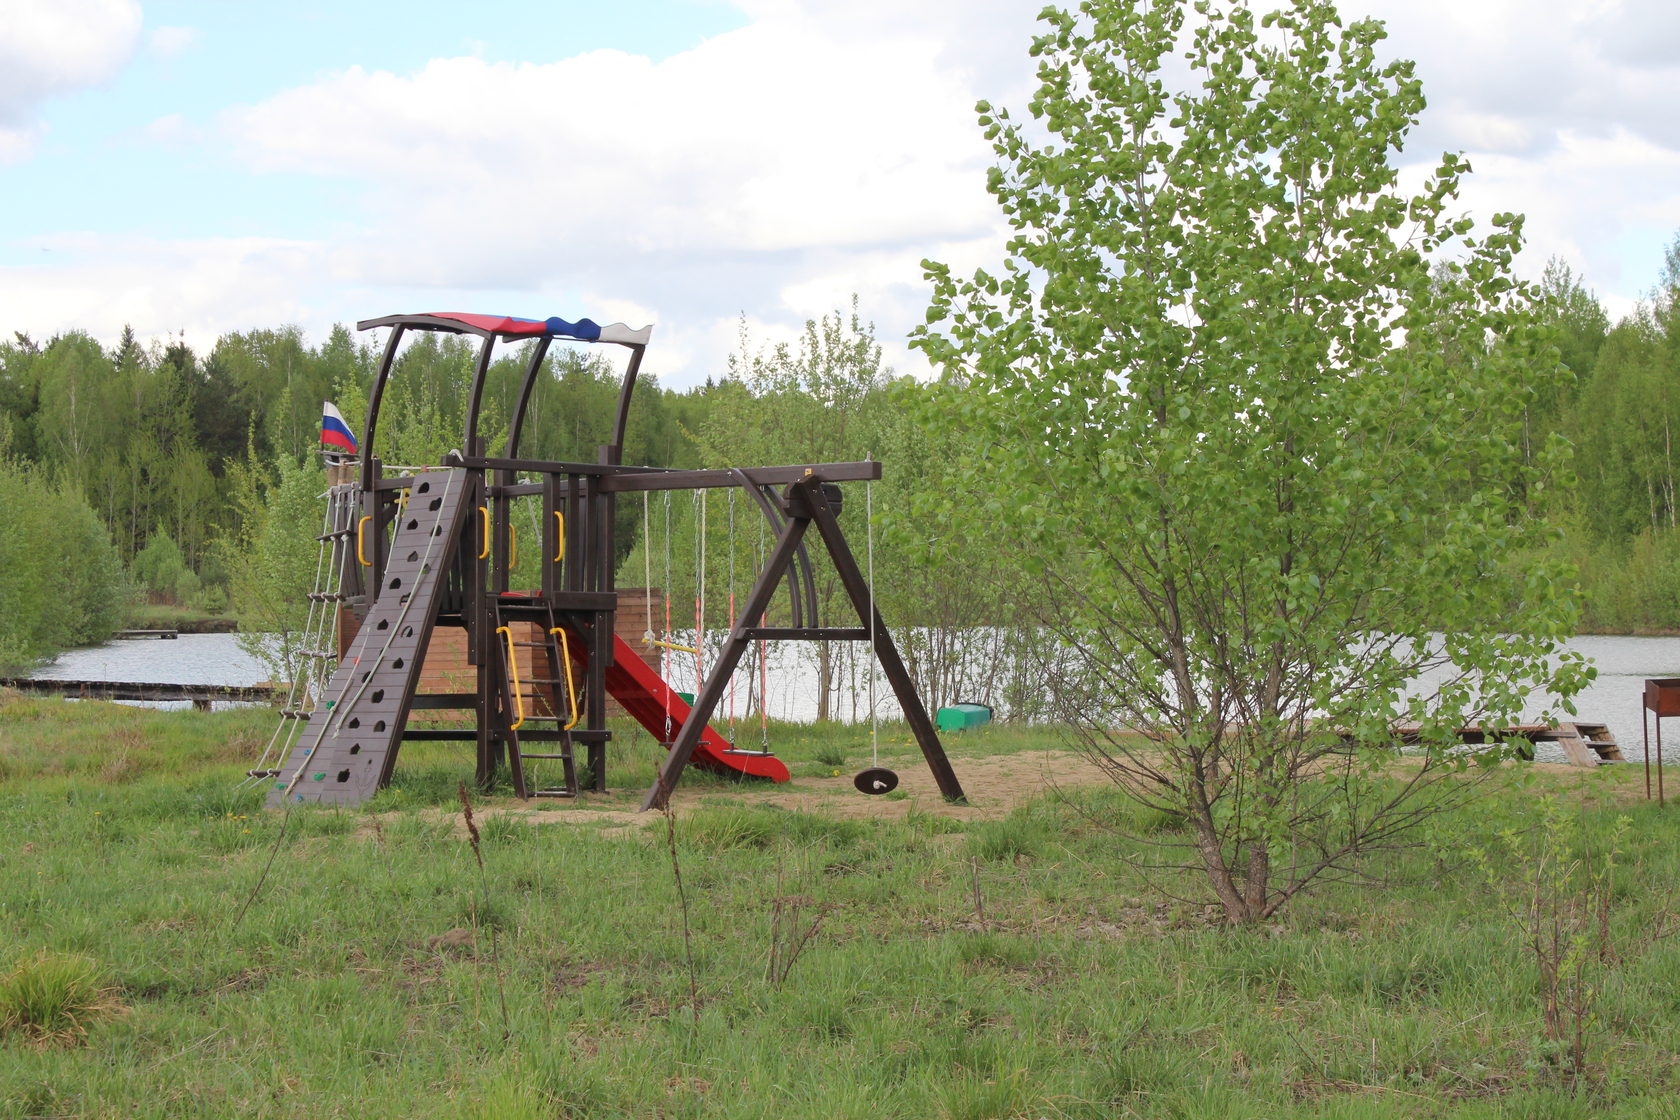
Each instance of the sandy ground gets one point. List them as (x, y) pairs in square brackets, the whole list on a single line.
[(995, 785)]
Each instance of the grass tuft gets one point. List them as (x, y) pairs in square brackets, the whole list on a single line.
[(53, 998), (831, 755), (1021, 835)]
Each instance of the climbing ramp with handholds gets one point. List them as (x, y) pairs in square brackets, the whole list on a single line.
[(662, 711), (346, 752)]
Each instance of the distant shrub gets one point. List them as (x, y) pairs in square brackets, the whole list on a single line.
[(721, 829), (61, 583), (162, 571), (831, 756)]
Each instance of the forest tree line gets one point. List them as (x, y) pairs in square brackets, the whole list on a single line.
[(151, 472)]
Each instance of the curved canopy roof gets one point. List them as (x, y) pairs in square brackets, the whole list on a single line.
[(507, 327)]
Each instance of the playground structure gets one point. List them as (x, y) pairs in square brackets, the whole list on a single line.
[(435, 547)]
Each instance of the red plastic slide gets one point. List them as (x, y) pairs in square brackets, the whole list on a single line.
[(656, 705)]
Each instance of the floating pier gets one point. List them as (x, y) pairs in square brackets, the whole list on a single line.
[(201, 695), (1583, 743)]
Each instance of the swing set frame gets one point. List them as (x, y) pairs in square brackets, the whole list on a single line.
[(579, 502)]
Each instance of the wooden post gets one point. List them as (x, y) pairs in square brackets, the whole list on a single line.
[(886, 651)]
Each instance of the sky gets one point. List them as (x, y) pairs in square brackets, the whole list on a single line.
[(193, 167)]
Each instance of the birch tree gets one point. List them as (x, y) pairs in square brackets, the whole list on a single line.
[(1256, 409)]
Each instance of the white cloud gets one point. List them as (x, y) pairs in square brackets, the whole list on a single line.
[(1584, 201), (775, 169), (753, 142), (167, 42), (742, 174), (1498, 71), (1565, 112), (51, 47), (204, 287), (170, 129)]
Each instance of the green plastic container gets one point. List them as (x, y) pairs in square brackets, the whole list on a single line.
[(961, 717)]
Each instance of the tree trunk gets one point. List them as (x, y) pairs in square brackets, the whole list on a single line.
[(825, 682), (1259, 875), (1213, 862)]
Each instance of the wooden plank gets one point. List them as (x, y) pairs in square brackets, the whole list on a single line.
[(865, 471), (1574, 746), (1599, 739)]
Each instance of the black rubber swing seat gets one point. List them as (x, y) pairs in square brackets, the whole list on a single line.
[(876, 780)]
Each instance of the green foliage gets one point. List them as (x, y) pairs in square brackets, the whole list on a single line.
[(60, 582), (829, 397), (1262, 411), (273, 566), (1558, 883), (155, 437), (161, 569)]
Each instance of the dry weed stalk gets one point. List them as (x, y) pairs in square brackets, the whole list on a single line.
[(472, 907), (682, 901), (788, 939)]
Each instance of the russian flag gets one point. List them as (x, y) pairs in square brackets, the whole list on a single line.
[(334, 431)]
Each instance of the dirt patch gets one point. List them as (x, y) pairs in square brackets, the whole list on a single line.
[(996, 785)]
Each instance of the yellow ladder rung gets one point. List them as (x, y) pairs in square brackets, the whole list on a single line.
[(679, 649)]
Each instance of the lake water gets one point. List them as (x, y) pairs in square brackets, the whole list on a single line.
[(1613, 698), (188, 659)]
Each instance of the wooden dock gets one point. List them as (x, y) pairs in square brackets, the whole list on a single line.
[(201, 695), (1583, 743)]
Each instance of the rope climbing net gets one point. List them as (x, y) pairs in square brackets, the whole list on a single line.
[(309, 663)]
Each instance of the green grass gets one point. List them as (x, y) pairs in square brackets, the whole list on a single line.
[(966, 967), (188, 620)]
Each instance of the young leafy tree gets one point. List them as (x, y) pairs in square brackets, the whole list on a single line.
[(1255, 410), (274, 561)]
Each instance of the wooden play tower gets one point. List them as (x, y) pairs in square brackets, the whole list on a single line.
[(433, 547)]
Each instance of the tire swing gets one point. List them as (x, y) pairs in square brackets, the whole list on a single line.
[(876, 779)]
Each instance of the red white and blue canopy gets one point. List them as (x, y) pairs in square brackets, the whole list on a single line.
[(513, 327)]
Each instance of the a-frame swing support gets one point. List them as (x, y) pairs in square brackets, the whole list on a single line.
[(806, 504)]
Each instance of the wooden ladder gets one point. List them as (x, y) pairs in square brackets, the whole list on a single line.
[(1588, 744), (522, 700)]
